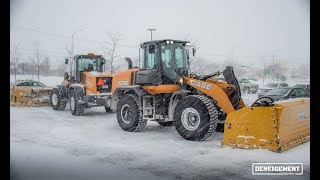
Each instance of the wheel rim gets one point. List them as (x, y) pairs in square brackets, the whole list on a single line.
[(246, 91), (72, 103), (126, 114), (190, 119), (54, 99)]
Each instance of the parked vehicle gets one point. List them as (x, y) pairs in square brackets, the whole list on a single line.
[(268, 87), (29, 93), (286, 93), (248, 87), (303, 86), (85, 85)]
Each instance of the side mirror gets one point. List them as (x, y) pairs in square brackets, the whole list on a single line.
[(193, 51), (102, 62), (187, 54), (66, 76), (66, 61)]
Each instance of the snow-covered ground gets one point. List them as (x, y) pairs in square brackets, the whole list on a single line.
[(48, 144)]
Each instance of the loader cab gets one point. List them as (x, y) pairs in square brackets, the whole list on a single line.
[(160, 60), (87, 63)]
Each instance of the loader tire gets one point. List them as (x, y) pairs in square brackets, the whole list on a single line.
[(129, 114), (168, 123), (76, 106), (195, 117), (56, 101)]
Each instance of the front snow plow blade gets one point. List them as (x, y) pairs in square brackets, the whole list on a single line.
[(30, 97), (279, 127)]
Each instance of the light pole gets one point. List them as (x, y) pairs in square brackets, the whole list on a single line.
[(151, 29), (72, 39), (71, 54)]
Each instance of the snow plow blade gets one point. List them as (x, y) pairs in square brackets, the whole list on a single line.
[(30, 97), (279, 127)]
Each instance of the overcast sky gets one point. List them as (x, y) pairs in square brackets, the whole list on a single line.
[(243, 28)]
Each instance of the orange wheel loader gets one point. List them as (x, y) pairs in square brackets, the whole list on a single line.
[(163, 89)]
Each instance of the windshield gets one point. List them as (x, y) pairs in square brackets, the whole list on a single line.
[(273, 85), (38, 84), (245, 81), (300, 86), (278, 92), (86, 64), (173, 56)]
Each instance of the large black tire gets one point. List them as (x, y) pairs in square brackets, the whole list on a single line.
[(129, 114), (57, 101), (195, 117), (168, 123), (76, 106)]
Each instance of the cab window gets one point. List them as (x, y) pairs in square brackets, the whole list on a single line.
[(86, 64), (151, 57), (142, 58)]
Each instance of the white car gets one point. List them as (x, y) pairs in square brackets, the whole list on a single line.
[(248, 87), (268, 87)]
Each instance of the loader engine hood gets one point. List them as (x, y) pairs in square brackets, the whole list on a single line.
[(96, 82)]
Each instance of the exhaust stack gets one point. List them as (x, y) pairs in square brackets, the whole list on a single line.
[(129, 62)]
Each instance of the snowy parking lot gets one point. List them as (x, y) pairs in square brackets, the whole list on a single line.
[(48, 144)]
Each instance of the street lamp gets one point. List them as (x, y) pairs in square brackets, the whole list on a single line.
[(71, 54), (151, 29), (72, 39)]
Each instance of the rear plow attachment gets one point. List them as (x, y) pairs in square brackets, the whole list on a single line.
[(278, 127), (29, 98)]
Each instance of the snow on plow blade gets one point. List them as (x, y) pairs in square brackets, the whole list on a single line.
[(30, 97), (278, 128)]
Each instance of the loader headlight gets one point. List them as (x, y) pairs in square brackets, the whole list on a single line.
[(181, 80)]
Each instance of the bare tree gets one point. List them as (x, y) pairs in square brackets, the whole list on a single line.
[(110, 49), (277, 70), (193, 44), (45, 65), (238, 70), (14, 59), (38, 57), (303, 71)]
